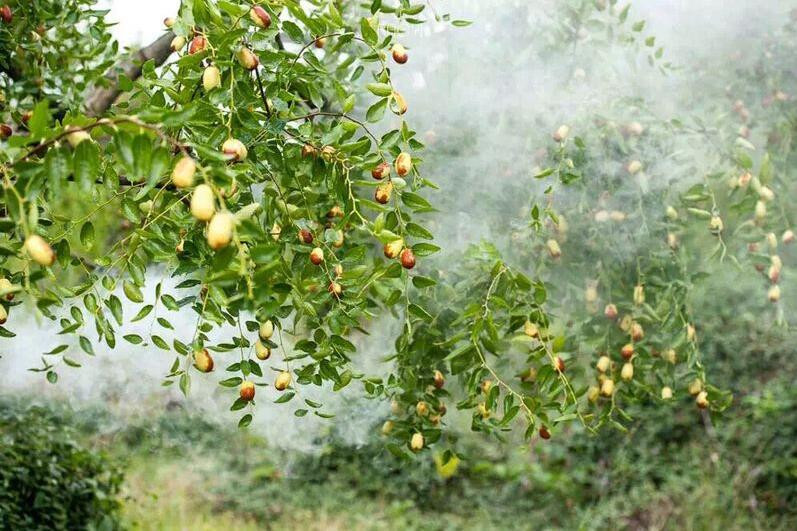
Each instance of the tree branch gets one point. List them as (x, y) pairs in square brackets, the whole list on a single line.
[(101, 98)]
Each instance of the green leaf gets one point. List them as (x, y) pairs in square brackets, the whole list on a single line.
[(87, 235)]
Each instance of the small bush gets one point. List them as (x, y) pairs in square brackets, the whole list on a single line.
[(48, 480)]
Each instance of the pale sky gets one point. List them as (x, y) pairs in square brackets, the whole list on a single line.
[(139, 21)]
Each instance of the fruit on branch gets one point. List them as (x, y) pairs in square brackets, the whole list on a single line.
[(559, 364), (5, 131), (561, 133), (202, 203), (666, 393), (544, 433), (260, 17), (486, 385), (6, 14), (335, 289), (335, 212), (266, 330), (627, 372), (553, 248), (26, 116), (593, 393), (695, 386), (276, 231), (760, 210), (610, 311), (788, 236), (407, 258), (607, 387), (671, 213), (670, 356), (766, 193), (591, 294), (530, 375), (211, 78), (6, 285), (439, 379), (76, 136), (247, 391), (403, 164), (339, 239), (282, 381), (328, 153), (247, 58), (308, 151), (422, 408), (637, 332), (772, 241), (381, 171), (639, 294), (399, 53), (633, 167), (774, 293), (416, 442), (234, 149), (39, 250), (702, 400), (220, 230), (338, 270), (177, 44), (634, 128), (183, 173), (604, 363), (531, 329), (320, 42), (305, 236), (262, 351), (317, 256), (3, 315), (169, 22), (203, 361), (387, 427), (383, 192), (672, 241), (483, 411), (198, 45), (627, 351), (399, 105), (715, 224)]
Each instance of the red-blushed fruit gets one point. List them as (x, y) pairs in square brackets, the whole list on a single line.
[(637, 332), (247, 391), (561, 133), (316, 256), (282, 381), (399, 53), (544, 433), (308, 151), (26, 116), (198, 44), (39, 250), (774, 293), (247, 58), (5, 131), (610, 311), (262, 351), (306, 236), (335, 212), (178, 43), (220, 230), (335, 289), (202, 204), (6, 14), (383, 192), (393, 249), (260, 17), (627, 351), (403, 164), (183, 173), (7, 286), (407, 258), (416, 443), (702, 400), (788, 236), (439, 379), (559, 364), (399, 104), (203, 361), (381, 171), (422, 408), (234, 149), (320, 42)]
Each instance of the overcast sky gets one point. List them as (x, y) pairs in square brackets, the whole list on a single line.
[(139, 21)]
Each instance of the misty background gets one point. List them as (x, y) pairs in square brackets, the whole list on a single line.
[(494, 77)]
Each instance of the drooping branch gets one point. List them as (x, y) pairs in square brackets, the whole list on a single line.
[(101, 98)]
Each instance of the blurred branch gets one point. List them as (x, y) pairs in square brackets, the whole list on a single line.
[(101, 98)]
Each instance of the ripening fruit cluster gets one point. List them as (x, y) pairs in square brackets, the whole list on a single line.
[(427, 411)]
